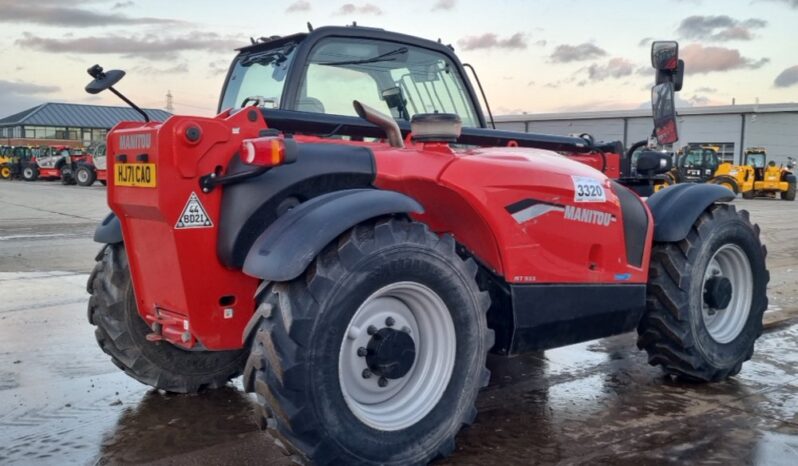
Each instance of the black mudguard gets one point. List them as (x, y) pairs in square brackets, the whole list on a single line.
[(287, 246), (109, 231), (675, 209)]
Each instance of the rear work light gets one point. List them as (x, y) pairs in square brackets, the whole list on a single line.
[(264, 152)]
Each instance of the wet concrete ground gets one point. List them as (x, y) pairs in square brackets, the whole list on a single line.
[(63, 402)]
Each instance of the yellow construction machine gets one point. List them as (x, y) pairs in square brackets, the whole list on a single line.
[(757, 177)]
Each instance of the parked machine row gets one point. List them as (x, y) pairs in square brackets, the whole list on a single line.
[(53, 163)]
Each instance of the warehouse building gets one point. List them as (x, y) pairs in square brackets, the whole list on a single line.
[(66, 124), (732, 128)]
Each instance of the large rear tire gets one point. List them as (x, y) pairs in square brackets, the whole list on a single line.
[(789, 194), (706, 297), (377, 353), (121, 333)]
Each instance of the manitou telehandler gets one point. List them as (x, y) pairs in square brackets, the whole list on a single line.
[(349, 235), (92, 167)]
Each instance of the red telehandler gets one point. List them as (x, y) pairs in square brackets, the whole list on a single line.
[(356, 261), (93, 167)]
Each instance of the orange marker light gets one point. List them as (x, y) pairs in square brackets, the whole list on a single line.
[(264, 152)]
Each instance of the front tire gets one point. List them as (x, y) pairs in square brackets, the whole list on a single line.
[(728, 183), (331, 360), (121, 333), (789, 195), (30, 173), (85, 176), (706, 298)]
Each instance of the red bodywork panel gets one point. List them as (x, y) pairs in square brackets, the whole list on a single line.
[(609, 164), (467, 194), (177, 277), (54, 173), (484, 197)]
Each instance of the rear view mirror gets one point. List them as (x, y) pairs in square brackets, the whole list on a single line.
[(664, 112), (102, 79), (676, 76), (665, 55)]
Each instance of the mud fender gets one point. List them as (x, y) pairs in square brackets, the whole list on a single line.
[(675, 209), (109, 231), (287, 246)]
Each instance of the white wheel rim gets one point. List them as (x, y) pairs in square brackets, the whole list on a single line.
[(404, 401), (28, 172), (731, 262), (83, 176)]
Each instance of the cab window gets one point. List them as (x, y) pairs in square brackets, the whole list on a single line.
[(396, 79)]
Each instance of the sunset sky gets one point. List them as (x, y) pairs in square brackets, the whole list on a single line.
[(532, 56)]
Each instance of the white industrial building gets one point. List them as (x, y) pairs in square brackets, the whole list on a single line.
[(732, 128)]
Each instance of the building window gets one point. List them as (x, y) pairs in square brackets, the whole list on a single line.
[(98, 135)]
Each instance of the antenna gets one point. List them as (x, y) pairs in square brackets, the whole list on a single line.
[(169, 102)]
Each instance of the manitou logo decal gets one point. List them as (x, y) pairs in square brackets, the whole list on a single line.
[(593, 217), (135, 141), (529, 209)]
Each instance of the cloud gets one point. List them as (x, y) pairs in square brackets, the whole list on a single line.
[(787, 78), (56, 14), (492, 41), (615, 68), (444, 5), (17, 96), (700, 59), (645, 42), (790, 3), (719, 28), (707, 90), (299, 5), (364, 9), (146, 46), (25, 88), (120, 5), (153, 70), (218, 67), (568, 53)]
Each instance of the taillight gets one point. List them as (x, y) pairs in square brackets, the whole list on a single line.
[(264, 152)]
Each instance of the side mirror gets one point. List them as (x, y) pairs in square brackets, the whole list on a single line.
[(676, 76), (652, 162), (665, 55), (664, 112), (103, 80)]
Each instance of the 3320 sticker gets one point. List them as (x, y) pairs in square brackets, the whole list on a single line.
[(588, 189)]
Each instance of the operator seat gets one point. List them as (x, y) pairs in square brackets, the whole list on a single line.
[(310, 104)]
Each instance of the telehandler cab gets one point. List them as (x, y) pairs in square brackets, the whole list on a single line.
[(357, 265)]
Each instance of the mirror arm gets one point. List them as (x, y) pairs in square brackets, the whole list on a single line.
[(127, 101)]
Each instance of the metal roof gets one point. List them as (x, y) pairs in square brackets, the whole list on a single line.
[(79, 116), (646, 112)]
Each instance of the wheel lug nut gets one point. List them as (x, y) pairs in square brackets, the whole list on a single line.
[(389, 322), (362, 352), (406, 329), (366, 374), (383, 382), (371, 330)]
